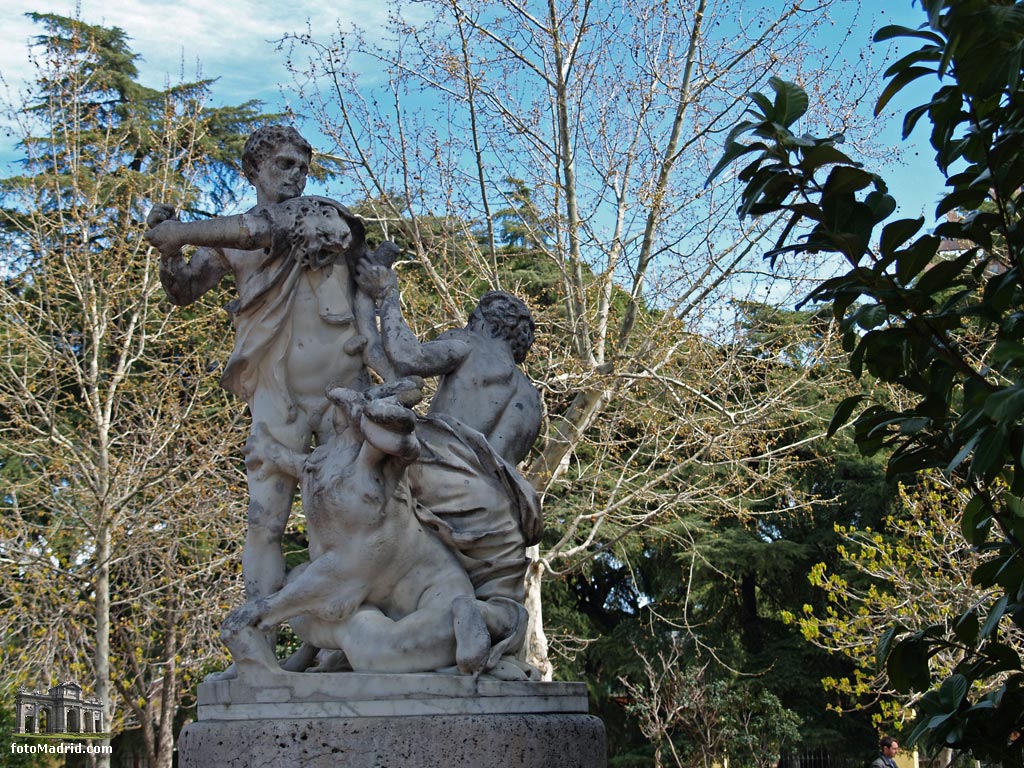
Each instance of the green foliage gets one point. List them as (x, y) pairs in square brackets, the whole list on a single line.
[(119, 539), (725, 569), (919, 558), (522, 225), (763, 729), (697, 717), (946, 329), (87, 87)]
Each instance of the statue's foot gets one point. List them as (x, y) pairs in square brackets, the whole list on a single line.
[(472, 640), (249, 647), (331, 661), (301, 660), (510, 668), (507, 625), (225, 674)]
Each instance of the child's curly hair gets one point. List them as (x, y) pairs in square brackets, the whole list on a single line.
[(507, 318)]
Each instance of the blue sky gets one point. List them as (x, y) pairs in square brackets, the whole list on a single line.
[(913, 179), (234, 41), (231, 40)]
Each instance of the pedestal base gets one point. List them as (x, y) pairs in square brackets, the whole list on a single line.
[(433, 741), (357, 720)]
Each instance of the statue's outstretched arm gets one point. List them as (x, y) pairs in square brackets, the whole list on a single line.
[(246, 232), (187, 280), (407, 354)]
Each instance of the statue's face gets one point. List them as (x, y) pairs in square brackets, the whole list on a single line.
[(282, 174)]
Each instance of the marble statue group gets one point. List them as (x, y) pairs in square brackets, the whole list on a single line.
[(418, 520)]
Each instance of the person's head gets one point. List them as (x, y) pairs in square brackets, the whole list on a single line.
[(505, 317), (889, 746), (276, 160)]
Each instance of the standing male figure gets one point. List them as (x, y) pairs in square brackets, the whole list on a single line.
[(295, 320), (889, 749)]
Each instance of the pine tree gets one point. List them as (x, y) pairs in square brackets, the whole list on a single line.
[(116, 530)]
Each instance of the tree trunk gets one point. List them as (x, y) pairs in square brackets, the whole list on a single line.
[(536, 648), (567, 431), (168, 697), (750, 621), (102, 657)]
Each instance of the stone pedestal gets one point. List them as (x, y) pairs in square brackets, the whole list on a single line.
[(355, 720)]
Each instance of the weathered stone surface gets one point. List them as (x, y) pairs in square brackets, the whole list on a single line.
[(291, 695), (418, 524), (473, 741)]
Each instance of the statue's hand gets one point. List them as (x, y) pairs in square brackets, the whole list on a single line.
[(160, 213), (373, 279), (384, 254), (166, 237)]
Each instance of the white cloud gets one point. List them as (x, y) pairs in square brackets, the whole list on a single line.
[(232, 41), (184, 40)]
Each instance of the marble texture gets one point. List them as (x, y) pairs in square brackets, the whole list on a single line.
[(418, 525), (411, 608), (298, 320), (290, 695)]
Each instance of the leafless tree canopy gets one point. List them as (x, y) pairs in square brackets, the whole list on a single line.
[(508, 144)]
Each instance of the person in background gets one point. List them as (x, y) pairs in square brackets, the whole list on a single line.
[(889, 749)]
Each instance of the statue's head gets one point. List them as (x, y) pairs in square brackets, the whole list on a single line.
[(267, 139), (505, 317)]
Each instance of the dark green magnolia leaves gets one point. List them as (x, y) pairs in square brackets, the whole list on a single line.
[(938, 316)]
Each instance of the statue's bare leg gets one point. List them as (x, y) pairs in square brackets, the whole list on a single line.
[(263, 566), (273, 464), (473, 641), (506, 622), (423, 640), (326, 588), (485, 631), (249, 648), (302, 659), (279, 440), (320, 589)]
